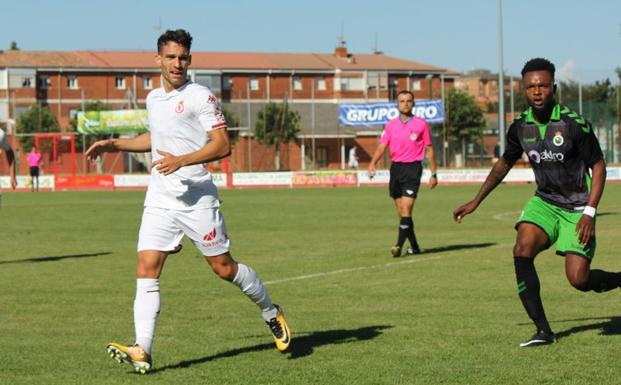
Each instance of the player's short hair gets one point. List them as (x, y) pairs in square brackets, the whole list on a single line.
[(539, 64), (179, 36), (406, 92)]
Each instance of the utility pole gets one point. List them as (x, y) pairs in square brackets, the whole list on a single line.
[(501, 83)]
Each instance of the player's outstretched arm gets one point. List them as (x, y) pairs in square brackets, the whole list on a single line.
[(379, 152), (141, 143), (217, 148), (496, 175), (586, 225)]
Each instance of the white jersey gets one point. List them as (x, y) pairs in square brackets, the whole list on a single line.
[(179, 121)]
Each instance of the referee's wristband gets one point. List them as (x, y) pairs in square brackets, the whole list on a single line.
[(590, 211)]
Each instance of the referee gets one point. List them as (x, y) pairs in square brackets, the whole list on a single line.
[(409, 140)]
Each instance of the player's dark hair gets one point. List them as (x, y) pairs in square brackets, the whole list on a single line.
[(406, 92), (539, 64), (179, 36)]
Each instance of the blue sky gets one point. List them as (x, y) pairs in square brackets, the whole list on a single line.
[(583, 38)]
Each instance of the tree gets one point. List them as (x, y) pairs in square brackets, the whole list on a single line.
[(13, 46), (231, 121), (465, 119), (37, 119), (276, 124)]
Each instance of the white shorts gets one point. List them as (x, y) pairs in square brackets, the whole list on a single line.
[(163, 229)]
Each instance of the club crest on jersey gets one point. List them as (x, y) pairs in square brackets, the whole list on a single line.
[(413, 137), (211, 99), (179, 107), (558, 139)]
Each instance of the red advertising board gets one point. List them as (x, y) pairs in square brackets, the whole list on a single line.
[(324, 178), (85, 182)]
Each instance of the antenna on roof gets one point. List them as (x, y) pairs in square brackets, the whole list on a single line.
[(341, 38), (158, 26), (375, 48)]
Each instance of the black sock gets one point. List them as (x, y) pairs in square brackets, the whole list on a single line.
[(601, 281), (528, 288), (411, 234), (404, 229)]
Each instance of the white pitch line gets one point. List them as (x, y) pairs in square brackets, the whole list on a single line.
[(351, 269)]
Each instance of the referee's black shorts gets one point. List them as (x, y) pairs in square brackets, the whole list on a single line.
[(34, 171), (405, 179)]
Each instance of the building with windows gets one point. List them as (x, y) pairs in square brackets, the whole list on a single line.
[(314, 84)]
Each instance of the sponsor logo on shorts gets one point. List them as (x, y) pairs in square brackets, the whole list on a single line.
[(558, 139), (546, 156), (410, 192), (179, 107), (210, 235), (209, 240)]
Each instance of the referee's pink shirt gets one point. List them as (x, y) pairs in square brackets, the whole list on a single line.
[(406, 141)]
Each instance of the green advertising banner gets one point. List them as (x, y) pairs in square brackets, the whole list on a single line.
[(112, 122)]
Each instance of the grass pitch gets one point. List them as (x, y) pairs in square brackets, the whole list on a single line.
[(358, 316)]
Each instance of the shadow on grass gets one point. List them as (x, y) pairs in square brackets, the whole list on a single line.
[(606, 213), (302, 345), (610, 327), (442, 249), (55, 258)]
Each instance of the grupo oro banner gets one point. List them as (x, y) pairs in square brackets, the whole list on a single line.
[(112, 122), (378, 114)]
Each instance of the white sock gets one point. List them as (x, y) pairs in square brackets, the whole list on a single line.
[(146, 309), (251, 285)]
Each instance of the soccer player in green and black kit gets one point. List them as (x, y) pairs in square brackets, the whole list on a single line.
[(561, 148)]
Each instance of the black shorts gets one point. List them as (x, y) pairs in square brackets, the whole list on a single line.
[(405, 179), (34, 171)]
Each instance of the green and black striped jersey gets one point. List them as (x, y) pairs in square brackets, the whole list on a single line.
[(561, 154)]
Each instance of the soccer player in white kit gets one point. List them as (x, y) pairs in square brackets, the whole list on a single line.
[(10, 157), (186, 130)]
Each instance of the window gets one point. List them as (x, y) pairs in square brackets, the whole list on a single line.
[(322, 157), (227, 83), (213, 82), (351, 84), (44, 82), (297, 83), (321, 83), (119, 82), (27, 82), (147, 82), (72, 82), (73, 112), (254, 83), (416, 85)]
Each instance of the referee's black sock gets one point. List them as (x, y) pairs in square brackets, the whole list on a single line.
[(411, 234), (528, 288), (404, 230), (601, 281)]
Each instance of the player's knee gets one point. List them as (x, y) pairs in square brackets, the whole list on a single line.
[(224, 271), (523, 249)]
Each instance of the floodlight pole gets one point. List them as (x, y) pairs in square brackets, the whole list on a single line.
[(501, 83)]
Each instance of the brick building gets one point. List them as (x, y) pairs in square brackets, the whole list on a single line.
[(313, 84)]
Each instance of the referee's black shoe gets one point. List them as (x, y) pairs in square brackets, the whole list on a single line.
[(538, 339)]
